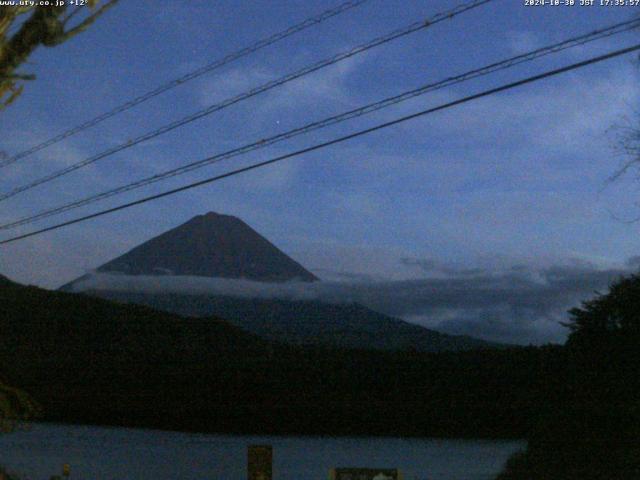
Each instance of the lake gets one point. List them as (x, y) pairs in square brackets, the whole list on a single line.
[(120, 453)]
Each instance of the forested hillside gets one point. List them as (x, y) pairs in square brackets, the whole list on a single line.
[(93, 361)]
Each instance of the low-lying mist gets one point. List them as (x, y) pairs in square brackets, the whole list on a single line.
[(519, 304)]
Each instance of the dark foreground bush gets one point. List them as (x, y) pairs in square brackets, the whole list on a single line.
[(594, 431)]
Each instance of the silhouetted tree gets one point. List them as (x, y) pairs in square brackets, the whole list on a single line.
[(44, 25), (16, 407), (592, 434), (614, 314)]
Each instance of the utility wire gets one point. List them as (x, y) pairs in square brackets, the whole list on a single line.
[(414, 27), (486, 93), (364, 110), (260, 44)]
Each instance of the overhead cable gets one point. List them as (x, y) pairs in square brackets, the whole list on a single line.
[(354, 113), (335, 141), (414, 27), (260, 44)]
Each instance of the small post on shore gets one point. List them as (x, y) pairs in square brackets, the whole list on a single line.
[(260, 462), (66, 473), (365, 474)]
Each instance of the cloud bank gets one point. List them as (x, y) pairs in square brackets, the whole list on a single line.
[(517, 304)]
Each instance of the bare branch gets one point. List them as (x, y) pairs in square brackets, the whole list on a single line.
[(82, 26), (8, 16), (71, 15), (626, 144)]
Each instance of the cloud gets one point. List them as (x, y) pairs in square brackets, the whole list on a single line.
[(430, 266), (51, 159), (634, 262), (231, 83), (326, 84), (522, 41), (37, 260), (559, 117), (517, 304)]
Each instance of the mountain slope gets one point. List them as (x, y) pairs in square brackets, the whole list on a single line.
[(223, 246), (305, 323), (92, 361), (211, 245), (39, 322)]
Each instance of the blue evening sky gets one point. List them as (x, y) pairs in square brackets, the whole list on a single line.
[(517, 182)]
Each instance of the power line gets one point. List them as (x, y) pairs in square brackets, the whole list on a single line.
[(414, 27), (364, 110), (260, 44), (509, 86)]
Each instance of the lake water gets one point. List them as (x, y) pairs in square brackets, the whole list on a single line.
[(117, 453)]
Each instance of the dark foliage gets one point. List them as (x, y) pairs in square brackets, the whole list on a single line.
[(610, 317), (7, 475), (46, 25), (594, 433), (94, 361)]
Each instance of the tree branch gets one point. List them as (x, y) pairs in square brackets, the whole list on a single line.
[(82, 26), (45, 26), (42, 24)]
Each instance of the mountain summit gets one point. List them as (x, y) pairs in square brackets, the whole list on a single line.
[(215, 245), (211, 245)]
